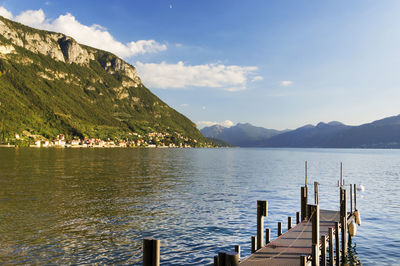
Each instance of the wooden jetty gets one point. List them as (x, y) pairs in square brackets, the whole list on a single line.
[(320, 237)]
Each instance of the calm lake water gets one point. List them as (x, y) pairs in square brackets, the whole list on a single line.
[(74, 206)]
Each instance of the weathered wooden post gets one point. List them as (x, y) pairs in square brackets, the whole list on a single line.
[(289, 223), (331, 248), (351, 198), (262, 210), (151, 252), (267, 236), (215, 260), (316, 193), (341, 174), (221, 258), (337, 242), (237, 250), (323, 251), (355, 197), (231, 259), (253, 244), (315, 234), (279, 229), (343, 220), (297, 217), (344, 239), (303, 203), (303, 260)]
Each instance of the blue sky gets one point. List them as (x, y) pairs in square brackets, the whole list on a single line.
[(277, 64)]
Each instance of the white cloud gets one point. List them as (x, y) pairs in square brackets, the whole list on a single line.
[(286, 83), (184, 105), (226, 123), (181, 76), (203, 108), (94, 35), (257, 78), (5, 13)]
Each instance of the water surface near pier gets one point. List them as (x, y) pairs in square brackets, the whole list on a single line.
[(74, 206)]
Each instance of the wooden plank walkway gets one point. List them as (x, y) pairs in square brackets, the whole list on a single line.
[(287, 249)]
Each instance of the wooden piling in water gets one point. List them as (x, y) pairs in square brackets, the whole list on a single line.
[(297, 217), (331, 247), (343, 220), (337, 243), (267, 236), (315, 233), (262, 210), (253, 244), (344, 238), (303, 203), (279, 229), (151, 252), (231, 259), (215, 260), (323, 250), (351, 198), (355, 197), (221, 258), (303, 260), (289, 223), (316, 193), (237, 250)]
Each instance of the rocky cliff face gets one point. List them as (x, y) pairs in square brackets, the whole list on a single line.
[(61, 48), (50, 85)]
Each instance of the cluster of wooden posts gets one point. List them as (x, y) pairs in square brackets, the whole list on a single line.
[(309, 212), (323, 247)]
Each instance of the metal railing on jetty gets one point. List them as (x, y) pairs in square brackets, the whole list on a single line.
[(320, 237)]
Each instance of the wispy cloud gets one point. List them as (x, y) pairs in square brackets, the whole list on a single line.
[(184, 105), (257, 78), (286, 83), (226, 123), (94, 35), (181, 76)]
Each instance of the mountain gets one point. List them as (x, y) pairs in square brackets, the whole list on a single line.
[(51, 85), (384, 133), (308, 136), (244, 135)]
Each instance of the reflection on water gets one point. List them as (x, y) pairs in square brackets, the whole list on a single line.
[(67, 206)]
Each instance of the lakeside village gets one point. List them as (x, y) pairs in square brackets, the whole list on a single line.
[(151, 140)]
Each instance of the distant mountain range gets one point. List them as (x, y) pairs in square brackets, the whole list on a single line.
[(384, 133), (243, 135)]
